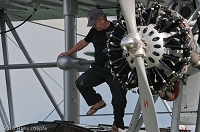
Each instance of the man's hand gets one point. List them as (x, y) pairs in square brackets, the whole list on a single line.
[(80, 45), (64, 54)]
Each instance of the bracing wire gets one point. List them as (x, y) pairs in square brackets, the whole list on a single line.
[(52, 111), (36, 64), (190, 112)]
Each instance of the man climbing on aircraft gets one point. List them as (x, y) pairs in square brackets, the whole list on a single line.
[(98, 73)]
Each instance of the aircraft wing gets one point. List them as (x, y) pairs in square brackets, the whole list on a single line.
[(18, 10)]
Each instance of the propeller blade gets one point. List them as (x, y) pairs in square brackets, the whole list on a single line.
[(128, 9), (146, 99)]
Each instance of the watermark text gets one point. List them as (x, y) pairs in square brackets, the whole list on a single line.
[(26, 128)]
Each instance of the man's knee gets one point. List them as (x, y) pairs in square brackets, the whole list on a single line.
[(80, 83)]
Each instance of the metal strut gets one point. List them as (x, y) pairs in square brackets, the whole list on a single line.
[(7, 71), (9, 24)]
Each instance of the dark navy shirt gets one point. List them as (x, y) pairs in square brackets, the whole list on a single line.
[(99, 39)]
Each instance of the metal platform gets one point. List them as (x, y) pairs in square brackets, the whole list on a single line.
[(70, 126)]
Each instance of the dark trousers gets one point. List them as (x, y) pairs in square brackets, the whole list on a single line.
[(96, 76)]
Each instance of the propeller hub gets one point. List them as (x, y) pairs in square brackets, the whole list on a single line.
[(129, 44)]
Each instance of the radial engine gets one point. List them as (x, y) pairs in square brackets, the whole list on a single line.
[(169, 50)]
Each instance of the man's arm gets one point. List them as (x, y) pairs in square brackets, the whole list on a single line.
[(79, 46)]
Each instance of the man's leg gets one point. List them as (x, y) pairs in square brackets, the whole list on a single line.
[(118, 101), (85, 84)]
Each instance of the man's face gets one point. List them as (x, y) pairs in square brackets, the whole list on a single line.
[(99, 24)]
